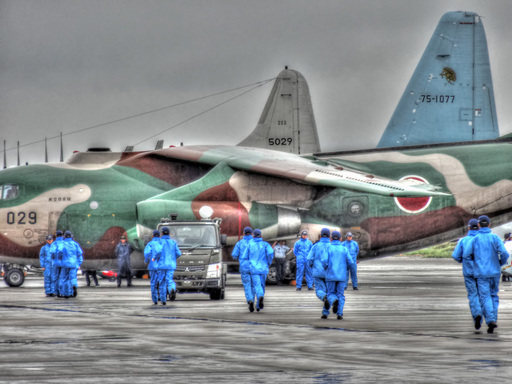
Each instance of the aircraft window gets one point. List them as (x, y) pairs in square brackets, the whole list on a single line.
[(9, 191)]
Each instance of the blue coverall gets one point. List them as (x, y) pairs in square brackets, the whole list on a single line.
[(79, 261), (467, 271), (336, 274), (69, 262), (317, 259), (301, 250), (151, 251), (45, 260), (353, 250), (245, 266), (260, 255), (56, 264), (167, 266), (484, 248)]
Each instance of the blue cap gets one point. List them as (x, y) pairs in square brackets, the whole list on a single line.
[(165, 231), (247, 230), (49, 237), (256, 233), (349, 234), (156, 233), (325, 232), (335, 235), (67, 234), (473, 224), (483, 220), (58, 233), (304, 233)]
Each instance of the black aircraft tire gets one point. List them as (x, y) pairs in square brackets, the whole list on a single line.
[(272, 276), (14, 277)]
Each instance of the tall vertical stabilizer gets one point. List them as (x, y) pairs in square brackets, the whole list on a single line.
[(450, 96), (287, 122)]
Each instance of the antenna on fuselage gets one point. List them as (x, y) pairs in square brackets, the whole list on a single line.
[(18, 152), (5, 157), (159, 145), (45, 150), (61, 149)]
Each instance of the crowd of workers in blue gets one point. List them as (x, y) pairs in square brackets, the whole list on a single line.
[(60, 261), (482, 255), (325, 264)]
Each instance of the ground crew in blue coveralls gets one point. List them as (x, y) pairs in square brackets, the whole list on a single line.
[(353, 250), (167, 266), (260, 255), (489, 254), (336, 274), (70, 256), (301, 250), (152, 250), (468, 273), (245, 266), (317, 260), (45, 260), (79, 261), (56, 262)]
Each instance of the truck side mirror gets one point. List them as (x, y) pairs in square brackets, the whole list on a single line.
[(223, 240)]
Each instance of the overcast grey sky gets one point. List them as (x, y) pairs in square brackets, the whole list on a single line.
[(66, 65)]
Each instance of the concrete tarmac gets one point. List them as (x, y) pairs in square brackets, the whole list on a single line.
[(408, 323)]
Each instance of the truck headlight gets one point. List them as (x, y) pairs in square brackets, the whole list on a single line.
[(214, 271)]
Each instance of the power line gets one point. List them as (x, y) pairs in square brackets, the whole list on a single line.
[(259, 84), (254, 85)]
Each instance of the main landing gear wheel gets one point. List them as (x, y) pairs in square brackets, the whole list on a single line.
[(14, 277)]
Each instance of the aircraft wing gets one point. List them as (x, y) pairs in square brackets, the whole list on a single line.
[(299, 169)]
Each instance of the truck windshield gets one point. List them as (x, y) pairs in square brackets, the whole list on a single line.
[(193, 235)]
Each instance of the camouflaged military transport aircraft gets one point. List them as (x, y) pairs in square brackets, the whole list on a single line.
[(425, 197)]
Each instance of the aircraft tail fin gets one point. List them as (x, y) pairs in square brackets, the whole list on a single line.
[(450, 96), (287, 123)]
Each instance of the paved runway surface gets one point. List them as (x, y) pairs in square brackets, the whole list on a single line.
[(409, 323)]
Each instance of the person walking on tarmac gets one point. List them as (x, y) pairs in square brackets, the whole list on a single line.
[(79, 261), (45, 260), (260, 255), (317, 260), (280, 251), (468, 273), (489, 254), (167, 266), (301, 250), (507, 242), (153, 250), (336, 274), (90, 273), (70, 255), (123, 251), (245, 266), (57, 245), (353, 251)]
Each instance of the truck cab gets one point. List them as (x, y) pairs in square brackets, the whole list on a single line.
[(200, 267)]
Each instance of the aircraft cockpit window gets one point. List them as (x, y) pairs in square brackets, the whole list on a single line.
[(9, 191)]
